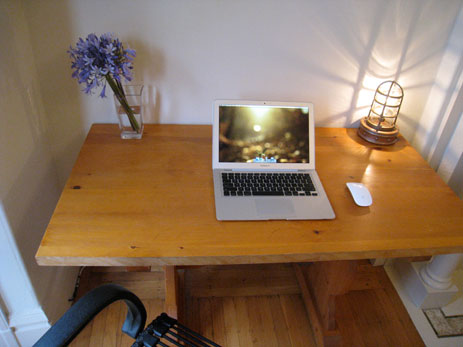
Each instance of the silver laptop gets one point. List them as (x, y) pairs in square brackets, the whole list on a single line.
[(264, 162)]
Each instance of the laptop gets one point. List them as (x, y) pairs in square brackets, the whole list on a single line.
[(264, 162)]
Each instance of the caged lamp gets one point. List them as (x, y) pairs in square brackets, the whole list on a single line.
[(379, 127)]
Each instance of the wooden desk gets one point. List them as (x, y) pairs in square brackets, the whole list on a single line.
[(151, 202)]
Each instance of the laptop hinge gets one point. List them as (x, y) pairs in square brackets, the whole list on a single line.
[(284, 170)]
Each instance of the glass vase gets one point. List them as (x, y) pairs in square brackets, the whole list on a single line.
[(130, 120)]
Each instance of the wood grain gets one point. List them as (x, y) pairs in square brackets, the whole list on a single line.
[(239, 280), (242, 321), (150, 202), (105, 328), (280, 326), (259, 325), (314, 315), (364, 317), (145, 285), (172, 301), (300, 334), (326, 280), (229, 315)]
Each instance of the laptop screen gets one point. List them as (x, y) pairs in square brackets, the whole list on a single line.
[(263, 134)]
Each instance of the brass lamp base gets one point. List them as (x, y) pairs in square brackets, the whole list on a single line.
[(372, 135)]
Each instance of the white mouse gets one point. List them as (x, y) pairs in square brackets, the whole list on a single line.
[(360, 193)]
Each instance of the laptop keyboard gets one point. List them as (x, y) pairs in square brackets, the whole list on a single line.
[(267, 184)]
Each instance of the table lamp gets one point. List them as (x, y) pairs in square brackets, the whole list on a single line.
[(379, 126)]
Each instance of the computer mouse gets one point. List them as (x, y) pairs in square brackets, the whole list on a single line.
[(360, 193)]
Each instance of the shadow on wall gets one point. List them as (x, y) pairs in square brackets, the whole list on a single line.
[(444, 105), (148, 66), (60, 94), (372, 51), (454, 115), (30, 186)]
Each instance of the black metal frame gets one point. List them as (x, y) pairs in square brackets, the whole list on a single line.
[(84, 310), (165, 329), (160, 331)]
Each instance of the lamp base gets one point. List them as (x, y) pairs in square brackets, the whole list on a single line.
[(372, 135)]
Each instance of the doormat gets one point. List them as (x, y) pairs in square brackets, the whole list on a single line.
[(444, 326)]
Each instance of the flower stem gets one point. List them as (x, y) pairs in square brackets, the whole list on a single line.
[(120, 95)]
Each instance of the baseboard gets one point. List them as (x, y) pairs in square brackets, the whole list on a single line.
[(417, 316), (29, 335), (29, 318), (8, 339), (29, 326)]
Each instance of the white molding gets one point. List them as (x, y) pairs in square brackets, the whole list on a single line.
[(23, 329), (7, 337), (417, 316), (28, 335), (30, 318), (23, 320), (421, 294), (14, 280)]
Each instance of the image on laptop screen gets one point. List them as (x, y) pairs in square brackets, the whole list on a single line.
[(263, 134)]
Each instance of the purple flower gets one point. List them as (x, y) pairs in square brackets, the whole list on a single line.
[(94, 60)]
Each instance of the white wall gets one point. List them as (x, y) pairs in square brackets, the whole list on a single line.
[(439, 135), (451, 166), (332, 52), (29, 187)]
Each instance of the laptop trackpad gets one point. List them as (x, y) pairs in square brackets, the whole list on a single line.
[(275, 208)]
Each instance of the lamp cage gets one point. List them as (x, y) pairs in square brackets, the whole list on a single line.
[(379, 126)]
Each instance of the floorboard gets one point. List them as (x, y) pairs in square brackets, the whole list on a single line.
[(248, 306), (105, 328)]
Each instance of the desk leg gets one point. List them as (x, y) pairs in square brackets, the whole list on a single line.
[(174, 291), (320, 283)]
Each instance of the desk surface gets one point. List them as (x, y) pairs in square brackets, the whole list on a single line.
[(151, 202)]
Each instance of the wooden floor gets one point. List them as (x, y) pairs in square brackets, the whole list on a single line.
[(255, 305)]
